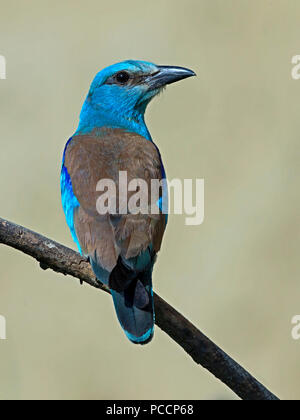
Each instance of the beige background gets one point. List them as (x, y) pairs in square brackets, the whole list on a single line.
[(237, 125)]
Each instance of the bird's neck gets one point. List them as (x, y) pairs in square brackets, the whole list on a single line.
[(92, 118)]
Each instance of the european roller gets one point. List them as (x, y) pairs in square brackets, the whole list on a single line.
[(112, 137)]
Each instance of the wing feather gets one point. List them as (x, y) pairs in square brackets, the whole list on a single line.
[(102, 154)]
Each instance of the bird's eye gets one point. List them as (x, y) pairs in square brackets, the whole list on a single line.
[(122, 77)]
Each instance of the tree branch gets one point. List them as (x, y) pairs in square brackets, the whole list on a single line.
[(203, 351)]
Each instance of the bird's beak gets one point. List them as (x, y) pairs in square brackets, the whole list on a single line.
[(167, 75)]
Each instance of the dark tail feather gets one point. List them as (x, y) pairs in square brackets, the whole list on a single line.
[(135, 309)]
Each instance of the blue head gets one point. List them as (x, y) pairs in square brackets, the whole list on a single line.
[(119, 95)]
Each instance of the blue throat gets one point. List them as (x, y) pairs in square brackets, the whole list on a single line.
[(114, 114)]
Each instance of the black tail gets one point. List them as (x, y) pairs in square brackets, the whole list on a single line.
[(133, 299)]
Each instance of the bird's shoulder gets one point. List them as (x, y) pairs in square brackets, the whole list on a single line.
[(118, 145)]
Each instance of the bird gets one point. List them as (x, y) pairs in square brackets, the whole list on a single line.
[(112, 137)]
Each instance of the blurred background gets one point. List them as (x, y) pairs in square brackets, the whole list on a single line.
[(237, 126)]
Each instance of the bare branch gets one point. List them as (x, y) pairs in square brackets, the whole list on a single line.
[(63, 260)]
